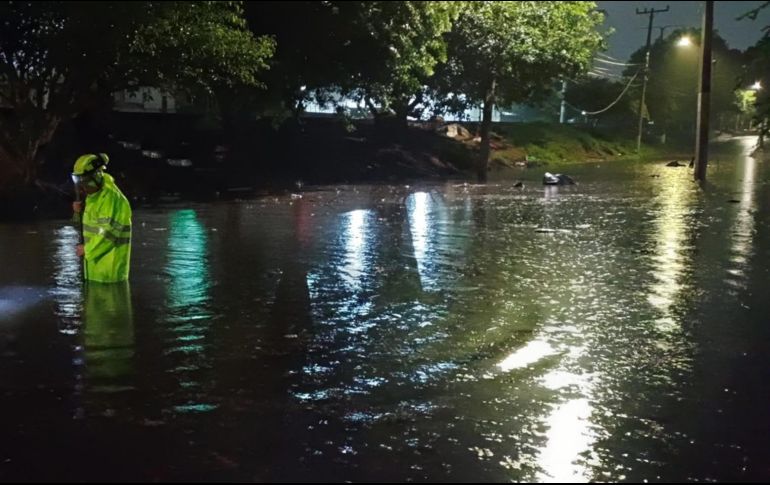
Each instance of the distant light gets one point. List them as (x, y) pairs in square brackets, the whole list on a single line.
[(583, 113), (303, 88), (756, 86), (684, 42)]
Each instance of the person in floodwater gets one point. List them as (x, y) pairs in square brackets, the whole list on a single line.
[(106, 221)]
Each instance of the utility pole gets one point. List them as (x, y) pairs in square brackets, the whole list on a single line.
[(704, 95), (651, 13), (563, 101)]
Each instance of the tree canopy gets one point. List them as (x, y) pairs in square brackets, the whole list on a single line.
[(379, 53), (60, 58), (510, 52)]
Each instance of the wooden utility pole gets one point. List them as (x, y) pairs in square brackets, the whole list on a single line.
[(651, 13), (704, 95)]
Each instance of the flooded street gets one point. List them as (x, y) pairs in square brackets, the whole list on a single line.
[(613, 330)]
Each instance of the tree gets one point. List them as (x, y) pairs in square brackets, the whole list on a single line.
[(379, 53), (745, 102), (303, 66), (756, 69), (58, 59), (512, 52), (390, 51)]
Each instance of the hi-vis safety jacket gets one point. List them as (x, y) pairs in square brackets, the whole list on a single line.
[(107, 234)]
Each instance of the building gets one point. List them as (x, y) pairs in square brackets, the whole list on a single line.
[(145, 100)]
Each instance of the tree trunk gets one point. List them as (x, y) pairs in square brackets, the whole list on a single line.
[(372, 109), (486, 130), (297, 108), (402, 112), (20, 141), (404, 108)]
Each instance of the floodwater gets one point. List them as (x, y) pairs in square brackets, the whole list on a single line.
[(613, 330)]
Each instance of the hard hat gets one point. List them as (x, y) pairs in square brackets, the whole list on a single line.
[(88, 169)]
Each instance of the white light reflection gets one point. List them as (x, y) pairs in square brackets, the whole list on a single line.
[(18, 299), (742, 234), (531, 353), (67, 277), (68, 298), (670, 236), (418, 218), (356, 238), (569, 435), (420, 228)]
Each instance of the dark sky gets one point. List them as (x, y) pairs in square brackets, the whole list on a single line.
[(631, 29)]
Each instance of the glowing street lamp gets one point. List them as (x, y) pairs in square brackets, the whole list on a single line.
[(685, 41), (756, 86)]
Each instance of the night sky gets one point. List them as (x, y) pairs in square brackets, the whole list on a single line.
[(631, 29)]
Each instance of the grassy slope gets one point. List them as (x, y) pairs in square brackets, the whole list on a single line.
[(564, 143)]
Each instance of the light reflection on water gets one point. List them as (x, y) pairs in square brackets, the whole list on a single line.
[(356, 238), (743, 230), (187, 313), (448, 332), (670, 241), (529, 354), (67, 291)]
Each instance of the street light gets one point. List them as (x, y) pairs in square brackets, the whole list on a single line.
[(685, 41), (756, 86)]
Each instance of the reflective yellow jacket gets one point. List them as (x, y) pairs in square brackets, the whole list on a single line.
[(107, 234)]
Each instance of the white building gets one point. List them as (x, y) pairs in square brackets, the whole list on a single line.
[(145, 100)]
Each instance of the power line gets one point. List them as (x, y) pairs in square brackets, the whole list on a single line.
[(622, 93), (615, 63), (607, 56), (604, 75), (608, 73)]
